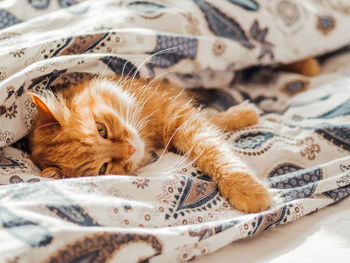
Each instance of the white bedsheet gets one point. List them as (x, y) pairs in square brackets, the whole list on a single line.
[(319, 237)]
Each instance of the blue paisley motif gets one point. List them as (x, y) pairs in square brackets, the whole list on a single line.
[(7, 19), (338, 194), (222, 25), (204, 233), (339, 136), (265, 221), (250, 5), (145, 6), (295, 179), (45, 80), (195, 194), (325, 98), (341, 110), (284, 168), (10, 163), (67, 3), (39, 4), (253, 140), (204, 190), (299, 192), (55, 202), (295, 182), (79, 10), (27, 231), (120, 66), (178, 48)]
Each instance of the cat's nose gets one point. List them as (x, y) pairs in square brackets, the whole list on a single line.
[(131, 149)]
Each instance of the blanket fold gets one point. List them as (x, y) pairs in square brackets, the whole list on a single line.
[(172, 213)]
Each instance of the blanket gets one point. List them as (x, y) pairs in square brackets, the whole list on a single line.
[(173, 212)]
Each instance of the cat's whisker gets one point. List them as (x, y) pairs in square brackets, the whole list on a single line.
[(58, 135), (130, 172), (195, 159), (140, 107), (144, 93), (106, 66), (134, 83), (145, 119), (127, 117), (171, 169), (184, 162), (142, 126), (148, 58), (123, 69), (169, 141), (186, 156), (178, 163), (136, 114), (121, 81), (155, 89), (145, 89), (161, 76), (64, 131), (178, 95), (47, 124), (124, 112)]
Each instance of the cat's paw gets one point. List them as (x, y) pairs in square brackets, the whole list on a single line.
[(241, 116), (247, 111), (52, 172), (236, 117), (250, 203), (249, 196)]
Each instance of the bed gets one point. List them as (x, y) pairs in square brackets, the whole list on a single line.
[(227, 51)]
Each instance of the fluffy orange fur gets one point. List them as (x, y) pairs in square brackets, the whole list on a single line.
[(109, 126)]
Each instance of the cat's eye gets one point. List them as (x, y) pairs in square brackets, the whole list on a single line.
[(103, 169), (102, 130)]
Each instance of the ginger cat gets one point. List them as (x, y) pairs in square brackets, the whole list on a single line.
[(110, 126)]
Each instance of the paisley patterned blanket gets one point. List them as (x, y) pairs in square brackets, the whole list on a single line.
[(172, 212)]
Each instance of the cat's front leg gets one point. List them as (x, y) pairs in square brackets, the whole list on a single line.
[(203, 142)]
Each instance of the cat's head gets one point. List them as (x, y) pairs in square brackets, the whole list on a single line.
[(87, 130)]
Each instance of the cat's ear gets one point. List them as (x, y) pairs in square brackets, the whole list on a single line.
[(46, 114), (52, 172)]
